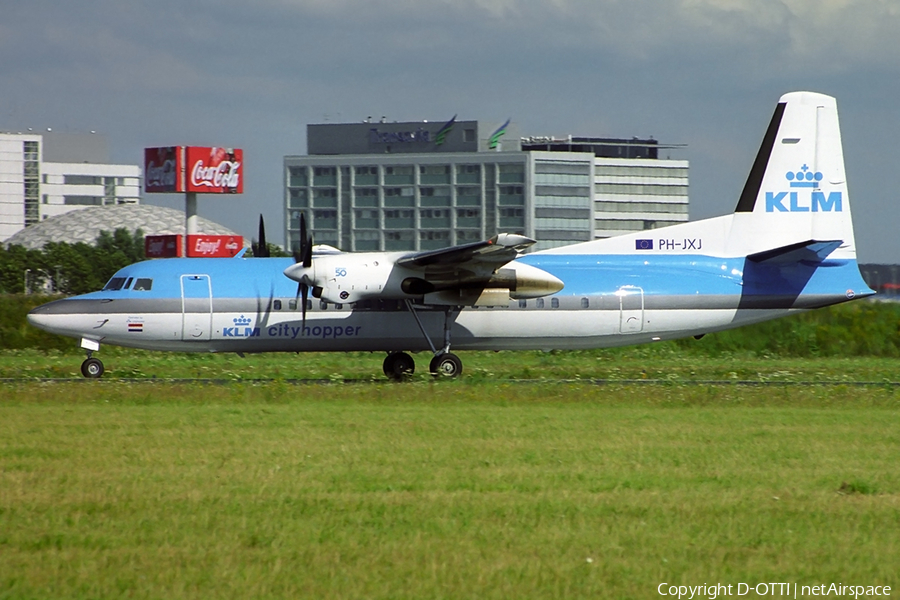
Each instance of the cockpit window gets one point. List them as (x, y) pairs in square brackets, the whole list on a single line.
[(143, 285), (115, 283)]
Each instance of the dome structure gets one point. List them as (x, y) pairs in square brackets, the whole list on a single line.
[(86, 224)]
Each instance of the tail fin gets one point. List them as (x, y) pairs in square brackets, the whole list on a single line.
[(796, 193)]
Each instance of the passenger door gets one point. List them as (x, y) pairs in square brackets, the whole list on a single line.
[(631, 309), (196, 308)]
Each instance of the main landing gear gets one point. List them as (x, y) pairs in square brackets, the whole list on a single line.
[(398, 365)]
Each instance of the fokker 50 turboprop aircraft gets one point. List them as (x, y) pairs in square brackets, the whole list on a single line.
[(788, 246)]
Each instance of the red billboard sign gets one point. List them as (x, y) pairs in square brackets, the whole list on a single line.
[(162, 246), (164, 170), (214, 170), (199, 169), (214, 246)]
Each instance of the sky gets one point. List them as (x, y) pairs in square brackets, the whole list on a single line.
[(252, 75)]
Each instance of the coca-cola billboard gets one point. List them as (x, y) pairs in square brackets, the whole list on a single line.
[(214, 170), (164, 170), (214, 246), (194, 169), (162, 246)]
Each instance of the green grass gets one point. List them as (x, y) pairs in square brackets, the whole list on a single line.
[(663, 361), (478, 488)]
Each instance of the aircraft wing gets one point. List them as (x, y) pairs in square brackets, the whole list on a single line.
[(482, 256)]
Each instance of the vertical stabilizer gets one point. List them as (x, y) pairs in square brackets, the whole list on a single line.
[(797, 190)]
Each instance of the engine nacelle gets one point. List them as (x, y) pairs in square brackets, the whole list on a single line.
[(351, 277), (346, 278)]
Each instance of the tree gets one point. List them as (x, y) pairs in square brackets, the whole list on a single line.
[(70, 268)]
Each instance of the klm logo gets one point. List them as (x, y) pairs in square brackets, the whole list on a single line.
[(240, 329), (801, 200)]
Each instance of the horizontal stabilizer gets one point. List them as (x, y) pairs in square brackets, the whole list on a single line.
[(809, 251)]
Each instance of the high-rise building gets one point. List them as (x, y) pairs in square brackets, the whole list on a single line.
[(42, 175), (427, 185)]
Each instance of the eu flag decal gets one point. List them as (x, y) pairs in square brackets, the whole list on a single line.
[(643, 244)]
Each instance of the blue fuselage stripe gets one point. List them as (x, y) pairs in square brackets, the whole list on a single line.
[(583, 275)]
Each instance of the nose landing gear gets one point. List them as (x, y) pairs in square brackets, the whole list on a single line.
[(92, 368)]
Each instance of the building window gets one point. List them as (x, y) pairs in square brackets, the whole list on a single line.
[(82, 180), (512, 173), (366, 175), (83, 200), (30, 172), (297, 177), (325, 176), (468, 173), (399, 175), (463, 235), (431, 174)]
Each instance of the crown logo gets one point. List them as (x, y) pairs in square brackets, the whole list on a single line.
[(242, 321), (804, 177)]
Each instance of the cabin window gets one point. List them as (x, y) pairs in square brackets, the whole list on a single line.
[(292, 304), (523, 303), (309, 305), (323, 305), (585, 303), (539, 303), (115, 283), (142, 284), (338, 306), (276, 304), (554, 302)]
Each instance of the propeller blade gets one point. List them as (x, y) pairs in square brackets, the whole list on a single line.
[(305, 243), (263, 248), (304, 292)]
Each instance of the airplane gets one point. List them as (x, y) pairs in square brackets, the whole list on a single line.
[(787, 247)]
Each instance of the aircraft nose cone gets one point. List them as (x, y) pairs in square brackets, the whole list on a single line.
[(298, 272), (38, 317)]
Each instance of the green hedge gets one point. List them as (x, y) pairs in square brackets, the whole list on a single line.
[(16, 333), (865, 328), (862, 328)]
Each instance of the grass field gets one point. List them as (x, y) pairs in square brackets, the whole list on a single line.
[(478, 488), (665, 361)]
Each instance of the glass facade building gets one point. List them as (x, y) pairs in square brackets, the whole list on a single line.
[(402, 186)]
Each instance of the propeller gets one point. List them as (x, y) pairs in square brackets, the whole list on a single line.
[(261, 248), (303, 257)]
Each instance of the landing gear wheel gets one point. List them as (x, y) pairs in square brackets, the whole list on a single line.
[(92, 368), (398, 365), (446, 365)]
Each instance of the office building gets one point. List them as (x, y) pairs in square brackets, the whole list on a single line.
[(428, 185), (43, 175)]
